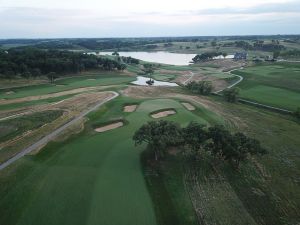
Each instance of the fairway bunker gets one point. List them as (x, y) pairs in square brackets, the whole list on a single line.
[(130, 108), (188, 106), (110, 126), (164, 113)]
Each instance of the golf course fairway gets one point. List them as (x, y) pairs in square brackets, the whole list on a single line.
[(91, 178)]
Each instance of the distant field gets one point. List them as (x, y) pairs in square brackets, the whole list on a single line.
[(273, 84)]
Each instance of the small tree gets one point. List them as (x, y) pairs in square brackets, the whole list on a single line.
[(158, 135), (231, 95), (52, 76), (220, 141), (242, 147), (194, 136), (276, 54), (297, 113), (224, 54)]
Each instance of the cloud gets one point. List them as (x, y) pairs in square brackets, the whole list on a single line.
[(51, 22)]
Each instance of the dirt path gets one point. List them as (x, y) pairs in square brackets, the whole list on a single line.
[(54, 133), (235, 83), (190, 78)]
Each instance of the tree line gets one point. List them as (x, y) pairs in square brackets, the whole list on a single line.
[(206, 56), (31, 62), (198, 141)]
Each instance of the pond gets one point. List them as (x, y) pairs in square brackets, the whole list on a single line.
[(142, 82), (157, 57)]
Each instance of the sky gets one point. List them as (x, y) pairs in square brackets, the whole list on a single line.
[(146, 18)]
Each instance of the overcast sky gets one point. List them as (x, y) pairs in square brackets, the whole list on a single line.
[(139, 18)]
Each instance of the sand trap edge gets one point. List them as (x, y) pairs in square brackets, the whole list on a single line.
[(163, 113), (130, 108), (109, 126)]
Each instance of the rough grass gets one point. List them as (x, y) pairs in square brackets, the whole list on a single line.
[(274, 84), (264, 192), (13, 127)]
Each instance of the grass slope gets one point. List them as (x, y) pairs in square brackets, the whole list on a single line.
[(68, 84), (274, 84)]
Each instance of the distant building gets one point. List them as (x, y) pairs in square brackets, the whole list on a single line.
[(240, 56)]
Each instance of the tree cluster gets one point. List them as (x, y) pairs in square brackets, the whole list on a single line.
[(206, 56), (31, 62), (130, 60), (200, 87), (198, 140)]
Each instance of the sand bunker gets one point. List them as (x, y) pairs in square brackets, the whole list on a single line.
[(9, 92), (163, 114), (109, 127), (130, 108), (188, 106)]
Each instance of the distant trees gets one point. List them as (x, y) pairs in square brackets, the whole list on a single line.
[(31, 62), (206, 56), (198, 139), (200, 87), (231, 94)]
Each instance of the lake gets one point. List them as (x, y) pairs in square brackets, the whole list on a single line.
[(157, 57), (142, 82)]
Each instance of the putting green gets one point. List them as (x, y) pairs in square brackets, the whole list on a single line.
[(95, 178)]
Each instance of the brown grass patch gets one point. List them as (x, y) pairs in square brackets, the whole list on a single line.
[(109, 127)]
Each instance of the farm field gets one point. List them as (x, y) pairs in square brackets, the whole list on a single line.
[(272, 84)]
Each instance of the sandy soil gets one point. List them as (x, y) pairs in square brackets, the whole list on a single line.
[(163, 114), (9, 92), (109, 127), (188, 106), (130, 108)]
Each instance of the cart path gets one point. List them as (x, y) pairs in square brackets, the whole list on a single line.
[(54, 133)]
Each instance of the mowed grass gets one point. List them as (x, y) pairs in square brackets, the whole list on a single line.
[(92, 178), (67, 84), (273, 84)]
